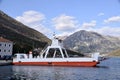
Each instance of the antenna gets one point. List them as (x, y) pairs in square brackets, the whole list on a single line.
[(54, 35)]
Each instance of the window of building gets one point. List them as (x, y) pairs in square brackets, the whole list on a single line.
[(8, 50), (0, 50), (5, 44), (0, 44), (9, 45), (4, 50)]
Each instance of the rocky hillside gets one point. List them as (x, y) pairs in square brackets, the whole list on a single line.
[(115, 53), (23, 37), (86, 42)]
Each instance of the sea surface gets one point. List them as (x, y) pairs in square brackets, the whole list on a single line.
[(106, 70)]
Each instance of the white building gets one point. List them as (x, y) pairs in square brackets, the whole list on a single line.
[(6, 47)]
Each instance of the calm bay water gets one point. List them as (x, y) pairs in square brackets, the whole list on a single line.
[(107, 70)]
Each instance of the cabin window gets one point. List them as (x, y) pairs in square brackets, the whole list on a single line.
[(44, 54), (50, 53), (15, 56), (58, 54), (65, 54), (54, 53), (22, 57)]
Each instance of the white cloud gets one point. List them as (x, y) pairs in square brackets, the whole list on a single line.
[(84, 26), (111, 31), (107, 30), (101, 14), (66, 33), (34, 20), (31, 17), (112, 19), (65, 23), (89, 25)]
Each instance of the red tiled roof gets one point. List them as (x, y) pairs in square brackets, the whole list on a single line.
[(4, 40)]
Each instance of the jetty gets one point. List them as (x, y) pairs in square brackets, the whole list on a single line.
[(5, 62)]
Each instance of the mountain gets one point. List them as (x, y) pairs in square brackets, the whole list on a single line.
[(87, 42), (23, 37)]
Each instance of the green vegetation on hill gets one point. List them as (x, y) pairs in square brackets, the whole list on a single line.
[(23, 37)]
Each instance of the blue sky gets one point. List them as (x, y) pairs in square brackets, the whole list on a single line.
[(65, 17)]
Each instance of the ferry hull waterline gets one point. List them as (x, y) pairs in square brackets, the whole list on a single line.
[(86, 62), (55, 55), (72, 64)]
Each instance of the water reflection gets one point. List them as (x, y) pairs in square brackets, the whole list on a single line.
[(41, 73), (55, 73), (5, 72)]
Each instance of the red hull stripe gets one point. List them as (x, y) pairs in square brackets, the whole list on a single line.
[(84, 64)]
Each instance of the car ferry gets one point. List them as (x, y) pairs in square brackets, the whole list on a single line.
[(55, 55)]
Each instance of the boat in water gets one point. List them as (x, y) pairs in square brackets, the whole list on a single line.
[(56, 55)]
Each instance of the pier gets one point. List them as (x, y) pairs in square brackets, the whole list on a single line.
[(5, 62)]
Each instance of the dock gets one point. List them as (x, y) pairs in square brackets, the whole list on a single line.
[(5, 62)]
